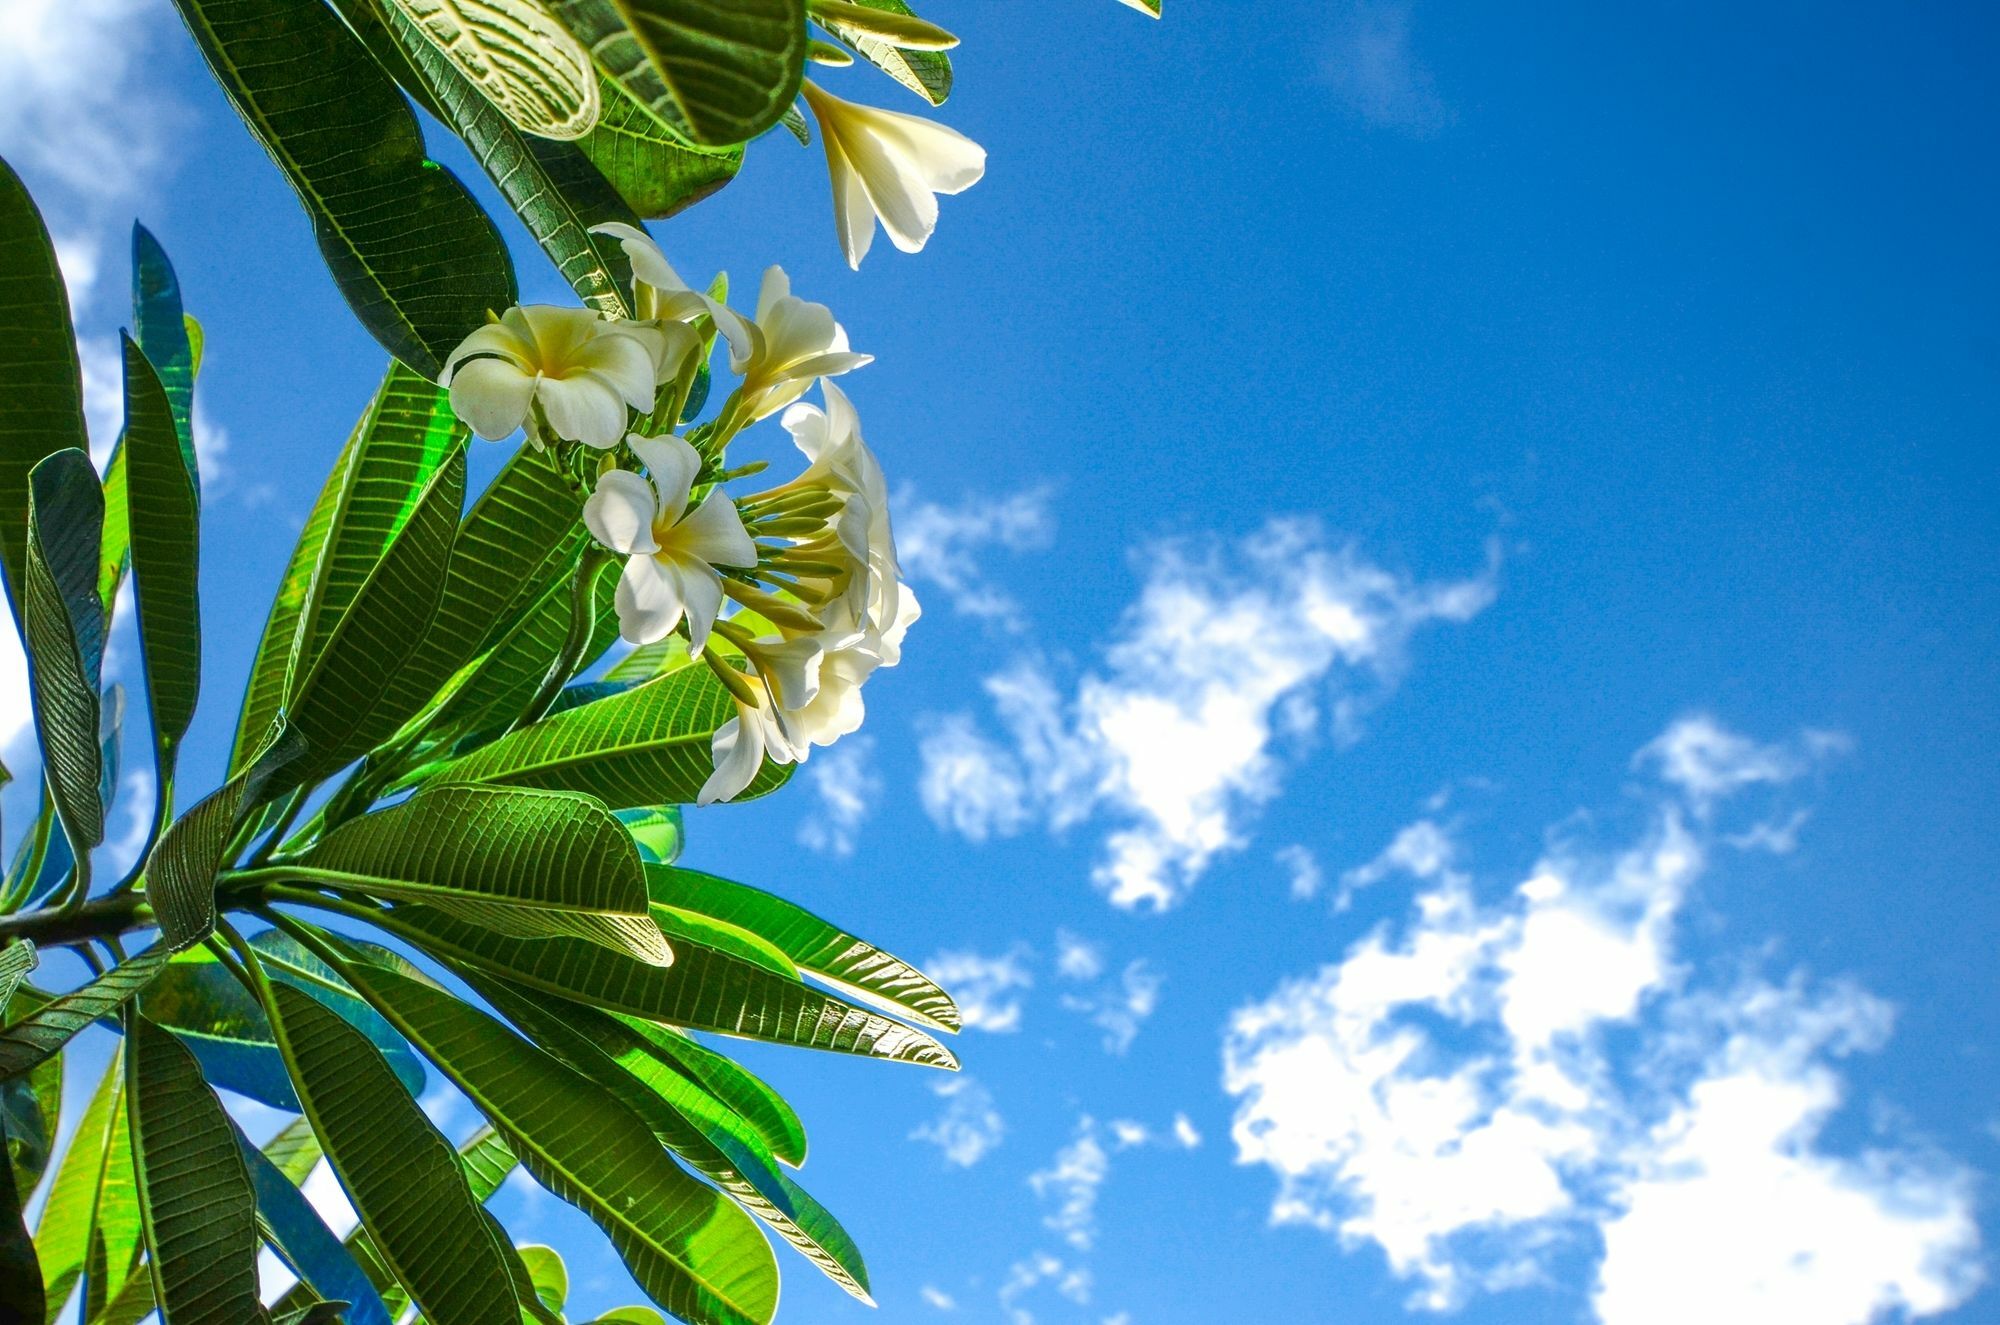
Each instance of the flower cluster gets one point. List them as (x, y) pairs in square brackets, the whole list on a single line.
[(810, 564)]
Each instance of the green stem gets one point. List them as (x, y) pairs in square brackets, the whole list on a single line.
[(52, 927), (582, 621)]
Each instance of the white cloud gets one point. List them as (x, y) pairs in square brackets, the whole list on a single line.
[(969, 1126), (1305, 878), (1119, 1008), (940, 546), (83, 114), (1077, 958), (937, 1299), (1373, 68), (1031, 1274), (1501, 1082), (1070, 1185), (1422, 850), (1228, 655), (1710, 763), (845, 787), (986, 989)]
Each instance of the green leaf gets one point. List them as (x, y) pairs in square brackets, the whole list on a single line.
[(166, 334), (21, 1296), (420, 264), (349, 702), (715, 74), (694, 1253), (925, 72), (197, 1207), (550, 1276), (739, 1091), (38, 367), (522, 62), (180, 874), (295, 1149), (63, 622), (824, 949), (552, 186), (402, 1175), (658, 831), (18, 958), (27, 1043), (116, 556), (401, 440), (527, 863), (1150, 8), (63, 1232), (703, 989), (165, 514), (304, 1242), (698, 1128), (648, 746), (686, 927), (654, 171)]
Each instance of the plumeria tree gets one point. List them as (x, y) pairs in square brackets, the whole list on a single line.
[(446, 846)]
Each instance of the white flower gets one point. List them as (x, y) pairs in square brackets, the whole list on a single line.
[(883, 606), (584, 371), (891, 165), (741, 745), (660, 292), (670, 552), (792, 342)]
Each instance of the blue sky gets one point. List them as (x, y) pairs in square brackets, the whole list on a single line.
[(1450, 751)]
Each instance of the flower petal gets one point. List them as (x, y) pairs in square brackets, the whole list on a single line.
[(494, 338), (715, 533), (808, 426), (619, 514), (829, 365), (584, 409), (649, 264), (491, 396), (738, 754), (673, 465), (700, 591), (648, 601), (626, 358), (776, 286)]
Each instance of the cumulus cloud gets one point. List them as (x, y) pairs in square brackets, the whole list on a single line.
[(937, 1299), (987, 989), (1375, 70), (1422, 850), (845, 786), (1042, 1273), (969, 1126), (1069, 1186), (1497, 1083), (1231, 659), (942, 546), (1304, 877), (1118, 1007)]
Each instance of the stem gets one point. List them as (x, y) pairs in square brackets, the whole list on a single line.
[(582, 618), (53, 927), (293, 804)]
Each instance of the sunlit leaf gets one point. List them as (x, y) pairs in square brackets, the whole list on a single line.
[(165, 515), (521, 60)]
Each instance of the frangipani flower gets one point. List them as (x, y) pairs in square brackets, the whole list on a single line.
[(792, 342), (889, 165), (582, 370), (660, 292), (741, 745), (670, 552)]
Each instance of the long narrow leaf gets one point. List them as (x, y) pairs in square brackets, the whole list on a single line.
[(302, 1239), (419, 262), (165, 514), (161, 326), (21, 1296), (28, 1042), (197, 1207), (39, 375), (738, 1090), (401, 1174), (180, 874), (693, 1253), (63, 621)]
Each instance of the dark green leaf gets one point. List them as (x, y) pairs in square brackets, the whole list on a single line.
[(196, 1204), (20, 1273), (163, 330), (28, 1042), (419, 262), (693, 1253), (180, 874), (648, 746), (63, 621), (165, 511), (716, 74), (703, 990), (39, 376), (656, 173), (401, 1174)]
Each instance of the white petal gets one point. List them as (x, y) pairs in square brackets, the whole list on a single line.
[(625, 358), (791, 669), (648, 601), (673, 465), (715, 533), (829, 365), (492, 396), (853, 213), (554, 331), (939, 156), (807, 425), (738, 755), (649, 264), (737, 331), (841, 418), (584, 409), (700, 593), (907, 611), (493, 338), (619, 514), (776, 286)]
